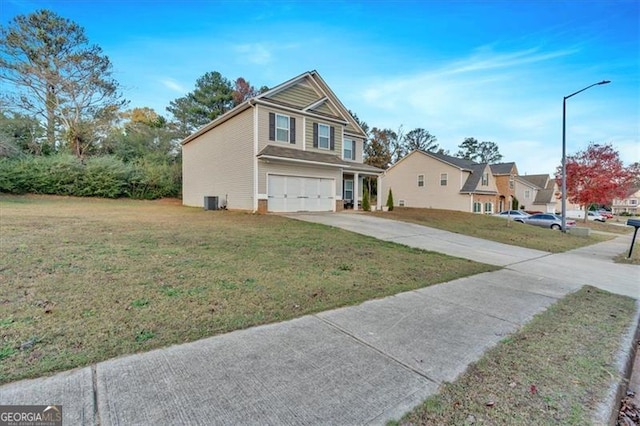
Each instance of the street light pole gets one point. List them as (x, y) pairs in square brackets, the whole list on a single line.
[(564, 152)]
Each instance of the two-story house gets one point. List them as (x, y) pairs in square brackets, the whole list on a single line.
[(439, 181), (293, 148)]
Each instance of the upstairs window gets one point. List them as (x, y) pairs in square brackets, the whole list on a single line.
[(443, 179), (527, 194), (323, 136), (282, 128), (485, 179), (420, 180), (512, 183), (349, 151)]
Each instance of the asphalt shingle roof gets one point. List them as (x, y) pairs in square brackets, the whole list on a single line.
[(316, 157)]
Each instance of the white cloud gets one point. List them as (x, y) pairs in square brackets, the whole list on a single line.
[(173, 85), (256, 53)]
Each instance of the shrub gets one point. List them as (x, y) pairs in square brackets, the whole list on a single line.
[(390, 200), (105, 176), (366, 205)]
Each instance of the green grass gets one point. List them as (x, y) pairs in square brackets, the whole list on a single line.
[(495, 229), (555, 370), (84, 280)]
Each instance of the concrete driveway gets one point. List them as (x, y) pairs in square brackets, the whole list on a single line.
[(425, 238)]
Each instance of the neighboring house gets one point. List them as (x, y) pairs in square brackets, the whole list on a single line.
[(293, 148), (540, 193), (629, 204), (432, 180), (505, 176)]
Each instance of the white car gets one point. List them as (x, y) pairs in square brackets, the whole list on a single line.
[(513, 214), (596, 217)]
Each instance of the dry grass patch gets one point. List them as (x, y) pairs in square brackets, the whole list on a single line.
[(493, 228), (555, 370), (84, 280), (635, 255)]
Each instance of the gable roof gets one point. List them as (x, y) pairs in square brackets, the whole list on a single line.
[(538, 180), (460, 163), (471, 184), (502, 168), (325, 97)]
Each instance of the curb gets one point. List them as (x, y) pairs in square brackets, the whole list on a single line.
[(606, 412)]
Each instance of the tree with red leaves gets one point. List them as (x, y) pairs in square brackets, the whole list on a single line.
[(596, 176)]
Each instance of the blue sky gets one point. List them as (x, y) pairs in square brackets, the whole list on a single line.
[(493, 70)]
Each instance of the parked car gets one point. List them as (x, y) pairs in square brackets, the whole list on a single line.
[(605, 213), (546, 220), (512, 214), (596, 217)]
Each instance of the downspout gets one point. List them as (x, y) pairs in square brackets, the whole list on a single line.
[(255, 154)]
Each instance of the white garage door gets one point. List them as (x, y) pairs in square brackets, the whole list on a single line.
[(299, 194)]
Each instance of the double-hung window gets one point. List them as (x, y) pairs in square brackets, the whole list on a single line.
[(420, 180), (349, 151), (443, 179), (324, 133), (282, 128), (485, 179)]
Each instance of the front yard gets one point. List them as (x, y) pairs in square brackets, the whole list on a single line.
[(84, 280)]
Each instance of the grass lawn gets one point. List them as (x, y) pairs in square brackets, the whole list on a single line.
[(555, 370), (84, 280), (635, 254), (495, 229)]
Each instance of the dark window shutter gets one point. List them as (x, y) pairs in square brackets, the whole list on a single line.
[(292, 130), (353, 151), (272, 126), (315, 135), (332, 143)]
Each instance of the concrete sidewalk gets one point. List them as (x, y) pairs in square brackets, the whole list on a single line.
[(363, 364)]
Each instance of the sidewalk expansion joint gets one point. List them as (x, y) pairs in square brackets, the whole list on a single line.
[(381, 352), (529, 260), (94, 382)]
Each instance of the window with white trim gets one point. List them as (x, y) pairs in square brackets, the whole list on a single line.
[(349, 150), (282, 128), (527, 194), (420, 180), (512, 182), (488, 208), (633, 202), (348, 190), (485, 179), (401, 203), (324, 133), (477, 207), (444, 177)]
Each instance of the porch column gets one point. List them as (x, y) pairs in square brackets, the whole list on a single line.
[(356, 190), (380, 194)]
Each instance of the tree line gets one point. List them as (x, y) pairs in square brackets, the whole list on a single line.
[(60, 99)]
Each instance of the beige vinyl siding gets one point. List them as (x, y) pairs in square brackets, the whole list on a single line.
[(403, 181), (220, 162), (299, 95), (263, 128), (302, 170), (309, 136), (324, 109)]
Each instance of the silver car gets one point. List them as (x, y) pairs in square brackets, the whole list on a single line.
[(546, 220), (513, 214)]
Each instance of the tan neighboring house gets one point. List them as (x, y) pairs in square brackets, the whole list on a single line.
[(629, 204), (540, 193), (505, 176), (293, 148), (432, 180)]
